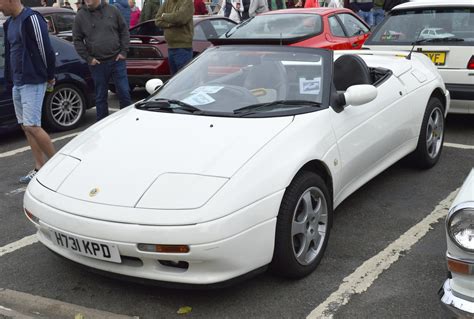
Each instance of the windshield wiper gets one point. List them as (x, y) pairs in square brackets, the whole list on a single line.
[(227, 34), (446, 39), (294, 103), (165, 104)]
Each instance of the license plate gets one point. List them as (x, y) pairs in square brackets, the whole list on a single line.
[(438, 58), (86, 247)]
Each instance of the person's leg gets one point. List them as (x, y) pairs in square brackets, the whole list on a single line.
[(378, 15), (32, 96), (37, 154), (369, 19), (35, 149), (101, 82), (182, 57), (171, 61), (119, 74)]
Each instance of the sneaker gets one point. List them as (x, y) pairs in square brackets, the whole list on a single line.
[(28, 177)]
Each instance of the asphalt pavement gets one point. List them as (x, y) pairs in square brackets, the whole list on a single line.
[(397, 284)]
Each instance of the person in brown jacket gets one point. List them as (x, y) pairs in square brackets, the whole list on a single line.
[(176, 18)]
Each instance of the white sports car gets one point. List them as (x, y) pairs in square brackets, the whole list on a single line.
[(457, 292), (237, 162)]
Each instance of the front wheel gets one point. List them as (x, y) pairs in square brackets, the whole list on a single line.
[(64, 107), (430, 141), (303, 225)]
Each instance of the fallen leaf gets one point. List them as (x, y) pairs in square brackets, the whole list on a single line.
[(184, 310), (79, 316)]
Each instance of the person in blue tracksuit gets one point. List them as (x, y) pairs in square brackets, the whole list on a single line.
[(29, 70)]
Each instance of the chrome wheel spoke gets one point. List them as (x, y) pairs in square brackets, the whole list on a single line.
[(306, 241), (298, 228)]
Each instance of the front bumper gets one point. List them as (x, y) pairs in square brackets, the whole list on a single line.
[(213, 257), (455, 303)]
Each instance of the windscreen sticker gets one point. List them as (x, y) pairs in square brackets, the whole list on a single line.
[(199, 99), (209, 89), (310, 86)]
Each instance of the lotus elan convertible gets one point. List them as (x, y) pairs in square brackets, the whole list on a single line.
[(237, 163)]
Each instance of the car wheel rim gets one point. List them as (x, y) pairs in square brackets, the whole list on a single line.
[(66, 106), (434, 133), (309, 225)]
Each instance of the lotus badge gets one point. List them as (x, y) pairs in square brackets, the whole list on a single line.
[(93, 192)]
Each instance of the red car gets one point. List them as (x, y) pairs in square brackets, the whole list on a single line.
[(329, 28), (148, 54)]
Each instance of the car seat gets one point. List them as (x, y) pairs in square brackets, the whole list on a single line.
[(350, 70), (268, 75)]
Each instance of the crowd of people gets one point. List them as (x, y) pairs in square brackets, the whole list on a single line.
[(371, 11)]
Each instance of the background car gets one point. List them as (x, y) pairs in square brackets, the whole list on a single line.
[(457, 292), (328, 28), (236, 163), (60, 20), (73, 93), (148, 54), (449, 44)]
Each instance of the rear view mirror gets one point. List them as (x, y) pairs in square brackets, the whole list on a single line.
[(153, 85), (360, 94)]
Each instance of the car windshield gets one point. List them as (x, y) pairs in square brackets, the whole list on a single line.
[(450, 25), (251, 81), (275, 26)]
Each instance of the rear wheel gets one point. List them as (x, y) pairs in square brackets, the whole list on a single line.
[(303, 225), (64, 107), (430, 141)]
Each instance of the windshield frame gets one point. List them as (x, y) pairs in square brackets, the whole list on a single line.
[(418, 10), (327, 69)]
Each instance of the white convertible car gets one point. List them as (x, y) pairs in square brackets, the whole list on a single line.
[(237, 162), (457, 292)]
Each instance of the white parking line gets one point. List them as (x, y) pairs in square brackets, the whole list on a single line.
[(364, 276), (16, 191), (25, 241), (23, 305), (462, 146), (26, 148)]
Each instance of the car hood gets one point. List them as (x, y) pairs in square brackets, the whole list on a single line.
[(117, 161)]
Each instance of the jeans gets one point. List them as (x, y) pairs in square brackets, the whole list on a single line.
[(378, 14), (177, 58), (28, 103), (101, 74), (367, 16)]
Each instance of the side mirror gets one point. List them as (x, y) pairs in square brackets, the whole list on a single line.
[(153, 85), (359, 94)]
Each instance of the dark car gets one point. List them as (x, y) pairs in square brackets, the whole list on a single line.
[(148, 55), (60, 21), (73, 93)]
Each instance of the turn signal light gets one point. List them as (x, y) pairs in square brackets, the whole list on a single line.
[(32, 217), (470, 64), (173, 249), (458, 266)]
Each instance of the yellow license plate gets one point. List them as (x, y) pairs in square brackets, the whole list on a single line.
[(438, 58)]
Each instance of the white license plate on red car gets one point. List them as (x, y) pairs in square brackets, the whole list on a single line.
[(86, 247)]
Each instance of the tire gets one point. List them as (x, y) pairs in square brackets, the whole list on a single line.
[(430, 141), (296, 224), (64, 107)]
